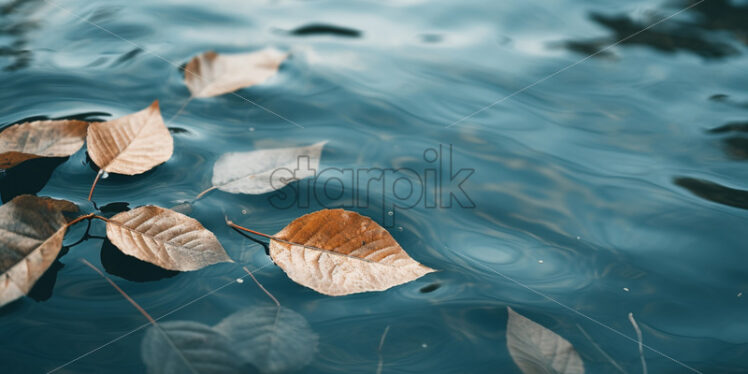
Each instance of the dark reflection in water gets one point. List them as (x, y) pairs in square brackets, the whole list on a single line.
[(695, 36), (29, 177), (17, 30), (43, 287), (322, 29), (714, 192), (117, 263)]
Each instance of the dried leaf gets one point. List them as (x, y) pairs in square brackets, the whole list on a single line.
[(337, 252), (251, 172), (212, 74), (31, 233), (273, 339), (537, 350), (165, 238), (132, 144), (178, 347), (29, 140)]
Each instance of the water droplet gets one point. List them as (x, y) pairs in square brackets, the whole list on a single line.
[(104, 175), (244, 211), (626, 289), (399, 228), (390, 213), (424, 345), (579, 237), (740, 294), (251, 129), (239, 280), (540, 261)]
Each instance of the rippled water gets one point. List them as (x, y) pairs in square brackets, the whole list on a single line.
[(611, 186)]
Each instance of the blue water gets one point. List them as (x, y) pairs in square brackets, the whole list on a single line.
[(602, 190)]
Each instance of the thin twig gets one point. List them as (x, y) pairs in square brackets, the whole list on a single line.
[(96, 180), (602, 352), (116, 287), (380, 365), (201, 194), (639, 339), (180, 110), (261, 287), (232, 224)]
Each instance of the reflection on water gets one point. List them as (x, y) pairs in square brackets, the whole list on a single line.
[(696, 35), (617, 185)]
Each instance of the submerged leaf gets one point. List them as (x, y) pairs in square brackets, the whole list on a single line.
[(132, 144), (31, 233), (165, 238), (29, 140), (338, 252), (178, 347), (537, 350), (212, 74), (273, 339), (251, 172)]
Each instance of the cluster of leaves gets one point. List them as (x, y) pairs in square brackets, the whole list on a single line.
[(334, 252)]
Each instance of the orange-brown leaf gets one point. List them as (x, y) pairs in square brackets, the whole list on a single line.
[(338, 252), (212, 74), (132, 144), (31, 233), (29, 140), (165, 238)]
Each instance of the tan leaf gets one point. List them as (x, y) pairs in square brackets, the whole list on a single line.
[(31, 233), (25, 141), (132, 144), (165, 238), (212, 74), (338, 252), (537, 350)]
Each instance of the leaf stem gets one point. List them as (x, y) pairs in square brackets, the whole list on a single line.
[(116, 287), (261, 287), (96, 180), (81, 218), (232, 224), (204, 192)]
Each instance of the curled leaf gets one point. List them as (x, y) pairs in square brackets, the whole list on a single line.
[(178, 347), (31, 233), (132, 144), (212, 74), (337, 252), (29, 140), (165, 238), (253, 172), (537, 350), (273, 339)]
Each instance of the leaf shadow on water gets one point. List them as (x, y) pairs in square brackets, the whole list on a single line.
[(130, 268), (698, 35), (27, 178)]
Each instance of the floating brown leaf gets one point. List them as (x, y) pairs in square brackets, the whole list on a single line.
[(165, 238), (31, 233), (132, 144), (212, 74), (338, 252), (537, 350), (29, 140)]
